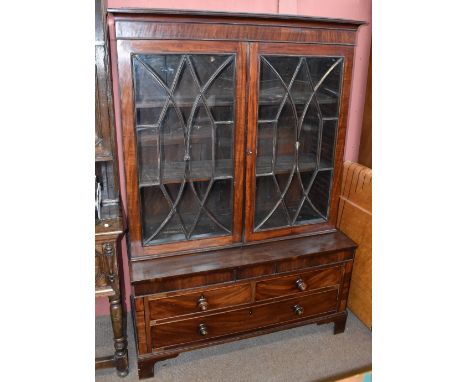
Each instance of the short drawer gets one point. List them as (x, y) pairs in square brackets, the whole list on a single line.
[(298, 283), (201, 301), (243, 320)]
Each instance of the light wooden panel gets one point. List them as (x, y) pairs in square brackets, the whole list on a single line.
[(355, 220)]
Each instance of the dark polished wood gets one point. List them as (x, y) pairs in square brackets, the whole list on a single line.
[(222, 17), (298, 283), (146, 365), (340, 324), (204, 31), (109, 230), (286, 252), (105, 362), (190, 302), (108, 278), (146, 362), (188, 294), (241, 320)]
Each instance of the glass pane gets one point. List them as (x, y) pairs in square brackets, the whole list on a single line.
[(224, 139), (216, 217), (184, 129), (272, 92), (309, 138), (148, 154), (264, 158), (268, 202), (284, 142), (297, 122), (327, 156), (329, 81), (320, 191), (220, 92)]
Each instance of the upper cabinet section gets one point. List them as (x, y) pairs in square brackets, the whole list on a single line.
[(233, 126), (183, 109)]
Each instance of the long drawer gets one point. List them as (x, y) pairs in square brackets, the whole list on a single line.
[(298, 283), (242, 320), (195, 302)]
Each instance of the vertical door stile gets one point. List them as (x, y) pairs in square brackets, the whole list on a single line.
[(251, 146)]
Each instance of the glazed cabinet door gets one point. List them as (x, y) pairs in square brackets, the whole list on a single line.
[(183, 129), (298, 98)]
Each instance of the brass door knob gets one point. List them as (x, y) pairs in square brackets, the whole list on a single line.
[(202, 329), (298, 310), (301, 285), (202, 303)]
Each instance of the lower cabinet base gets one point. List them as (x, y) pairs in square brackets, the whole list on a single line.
[(146, 363)]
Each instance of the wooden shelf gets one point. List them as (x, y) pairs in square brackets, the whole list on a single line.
[(274, 95), (223, 216), (201, 170), (178, 138), (271, 96), (174, 172), (284, 165)]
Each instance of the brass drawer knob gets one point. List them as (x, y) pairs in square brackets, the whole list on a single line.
[(298, 310), (301, 285), (202, 303), (202, 329)]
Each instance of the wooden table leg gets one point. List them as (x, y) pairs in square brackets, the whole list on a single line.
[(120, 338)]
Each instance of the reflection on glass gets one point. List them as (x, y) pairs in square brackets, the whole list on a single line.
[(184, 114), (299, 99)]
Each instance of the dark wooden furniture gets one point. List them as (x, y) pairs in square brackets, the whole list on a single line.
[(109, 225), (233, 136)]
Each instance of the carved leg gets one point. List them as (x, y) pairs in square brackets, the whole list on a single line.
[(340, 324), (120, 339)]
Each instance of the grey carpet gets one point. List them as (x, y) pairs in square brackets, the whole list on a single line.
[(305, 354)]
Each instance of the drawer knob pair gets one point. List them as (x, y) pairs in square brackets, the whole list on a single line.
[(301, 285), (202, 330), (202, 303), (298, 310)]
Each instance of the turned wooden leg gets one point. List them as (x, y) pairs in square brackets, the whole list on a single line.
[(120, 338), (340, 324)]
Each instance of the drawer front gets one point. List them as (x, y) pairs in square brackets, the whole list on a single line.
[(200, 301), (242, 320), (299, 283)]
